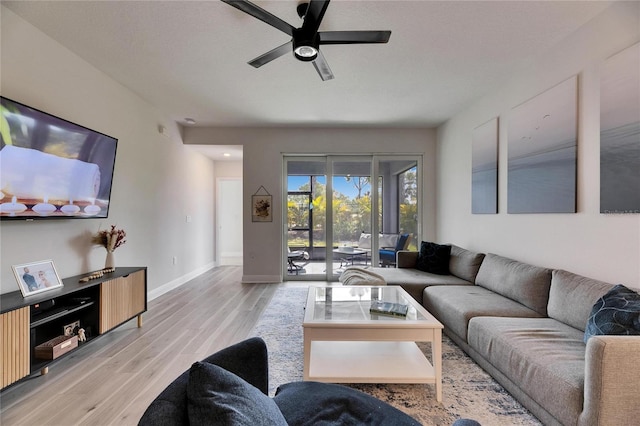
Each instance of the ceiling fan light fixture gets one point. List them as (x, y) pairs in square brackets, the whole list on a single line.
[(306, 53)]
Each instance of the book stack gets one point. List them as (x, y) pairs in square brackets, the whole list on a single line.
[(389, 308)]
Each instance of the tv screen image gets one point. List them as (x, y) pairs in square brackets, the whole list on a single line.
[(51, 167)]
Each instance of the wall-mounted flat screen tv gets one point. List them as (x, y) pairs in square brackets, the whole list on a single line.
[(51, 168)]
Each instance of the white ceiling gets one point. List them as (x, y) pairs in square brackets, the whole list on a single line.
[(189, 58)]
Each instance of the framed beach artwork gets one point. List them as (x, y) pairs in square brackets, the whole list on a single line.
[(484, 168), (620, 133), (37, 277), (542, 141)]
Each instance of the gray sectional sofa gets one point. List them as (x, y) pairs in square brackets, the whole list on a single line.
[(524, 325)]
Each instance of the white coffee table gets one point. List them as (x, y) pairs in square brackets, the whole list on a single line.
[(344, 343)]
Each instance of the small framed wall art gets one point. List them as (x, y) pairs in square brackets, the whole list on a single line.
[(36, 277), (261, 206)]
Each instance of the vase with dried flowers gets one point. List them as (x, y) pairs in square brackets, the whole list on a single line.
[(110, 239)]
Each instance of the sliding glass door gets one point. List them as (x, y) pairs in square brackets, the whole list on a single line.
[(351, 207), (338, 216)]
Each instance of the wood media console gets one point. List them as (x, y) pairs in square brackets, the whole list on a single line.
[(98, 306)]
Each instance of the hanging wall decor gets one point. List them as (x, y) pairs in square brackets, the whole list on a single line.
[(542, 140), (484, 168), (620, 133), (261, 206)]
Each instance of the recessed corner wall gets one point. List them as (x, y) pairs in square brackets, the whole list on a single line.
[(605, 247)]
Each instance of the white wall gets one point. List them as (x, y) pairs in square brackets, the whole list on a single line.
[(262, 165), (157, 180), (605, 247)]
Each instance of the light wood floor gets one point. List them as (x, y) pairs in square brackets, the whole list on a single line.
[(112, 380)]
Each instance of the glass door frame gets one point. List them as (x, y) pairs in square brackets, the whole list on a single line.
[(376, 192)]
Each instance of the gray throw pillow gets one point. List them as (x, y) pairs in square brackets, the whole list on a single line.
[(617, 312), (217, 396)]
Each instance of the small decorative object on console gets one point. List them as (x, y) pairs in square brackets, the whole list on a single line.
[(110, 240), (97, 274), (388, 308), (71, 329), (36, 277)]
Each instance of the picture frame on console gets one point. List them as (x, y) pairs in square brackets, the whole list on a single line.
[(37, 277)]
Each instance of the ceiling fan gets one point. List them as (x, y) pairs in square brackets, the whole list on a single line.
[(306, 40)]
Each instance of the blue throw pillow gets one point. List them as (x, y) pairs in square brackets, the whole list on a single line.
[(434, 258), (216, 396), (617, 312)]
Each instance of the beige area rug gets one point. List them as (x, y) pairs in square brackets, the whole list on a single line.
[(468, 392)]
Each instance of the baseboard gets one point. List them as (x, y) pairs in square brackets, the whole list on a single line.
[(231, 259), (261, 279), (179, 281)]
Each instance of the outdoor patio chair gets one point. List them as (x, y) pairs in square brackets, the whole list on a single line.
[(293, 256), (388, 255)]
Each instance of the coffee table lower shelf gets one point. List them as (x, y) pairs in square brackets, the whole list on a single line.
[(369, 362)]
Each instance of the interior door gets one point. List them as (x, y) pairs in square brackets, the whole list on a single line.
[(229, 221)]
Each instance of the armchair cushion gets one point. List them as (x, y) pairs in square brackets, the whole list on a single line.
[(403, 241), (216, 396), (365, 241), (335, 405)]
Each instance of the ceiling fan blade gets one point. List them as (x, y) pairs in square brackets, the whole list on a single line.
[(271, 55), (261, 14), (321, 65), (314, 15), (353, 37)]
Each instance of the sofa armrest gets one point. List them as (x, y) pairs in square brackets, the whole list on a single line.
[(611, 381), (406, 259)]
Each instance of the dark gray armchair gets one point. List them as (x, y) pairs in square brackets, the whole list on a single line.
[(236, 394)]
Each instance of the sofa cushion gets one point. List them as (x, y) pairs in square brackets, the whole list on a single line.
[(518, 281), (434, 258), (464, 263), (216, 396), (454, 306), (617, 312), (313, 403), (545, 357), (415, 281), (387, 240), (365, 241), (572, 296)]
